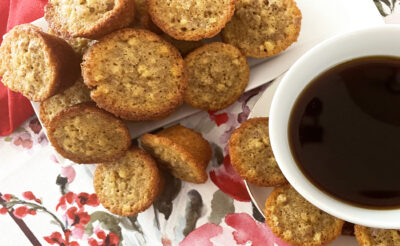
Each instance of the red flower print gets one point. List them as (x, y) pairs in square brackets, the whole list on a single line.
[(101, 235), (247, 229), (54, 158), (3, 210), (202, 235), (218, 118), (26, 143), (56, 238), (111, 239), (7, 197), (229, 181), (84, 198), (93, 242), (35, 125), (70, 197), (67, 198), (78, 218), (22, 211), (166, 242), (28, 195)]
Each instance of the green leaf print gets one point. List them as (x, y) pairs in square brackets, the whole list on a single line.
[(163, 204), (107, 221), (221, 205), (193, 211), (8, 139), (380, 8), (218, 155)]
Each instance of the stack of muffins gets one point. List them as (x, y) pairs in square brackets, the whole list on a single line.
[(107, 61)]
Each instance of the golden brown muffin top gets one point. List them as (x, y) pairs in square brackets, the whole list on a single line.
[(191, 19), (252, 156), (263, 28), (218, 74), (88, 18), (297, 221), (86, 134), (135, 74), (128, 185), (367, 236)]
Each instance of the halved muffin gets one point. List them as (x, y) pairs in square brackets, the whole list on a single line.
[(37, 64), (86, 134), (263, 28), (78, 93), (191, 20), (251, 154), (218, 74), (135, 74), (88, 18), (181, 151), (297, 221), (128, 185)]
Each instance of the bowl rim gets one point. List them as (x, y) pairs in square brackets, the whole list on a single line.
[(387, 218)]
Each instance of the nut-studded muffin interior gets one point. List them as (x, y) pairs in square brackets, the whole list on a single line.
[(191, 19), (26, 66), (263, 28), (135, 74), (297, 221), (88, 18), (218, 74), (78, 93), (86, 134), (79, 14), (128, 185), (367, 236), (251, 154)]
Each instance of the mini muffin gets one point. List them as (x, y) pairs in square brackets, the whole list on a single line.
[(88, 18), (376, 237), (251, 154), (128, 185), (135, 75), (218, 74), (79, 45), (184, 47), (191, 20), (86, 134), (181, 151), (78, 93), (37, 64), (263, 28), (142, 17), (297, 221)]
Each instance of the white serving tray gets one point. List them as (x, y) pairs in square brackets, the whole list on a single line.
[(321, 19)]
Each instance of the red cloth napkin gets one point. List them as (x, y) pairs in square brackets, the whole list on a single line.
[(15, 108)]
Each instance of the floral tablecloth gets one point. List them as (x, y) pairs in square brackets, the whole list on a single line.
[(45, 203)]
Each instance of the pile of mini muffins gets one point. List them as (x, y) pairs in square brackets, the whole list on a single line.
[(106, 61), (287, 213)]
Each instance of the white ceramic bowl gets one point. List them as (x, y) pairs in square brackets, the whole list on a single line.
[(382, 40)]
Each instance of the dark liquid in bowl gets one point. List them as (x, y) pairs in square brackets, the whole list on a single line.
[(344, 132)]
